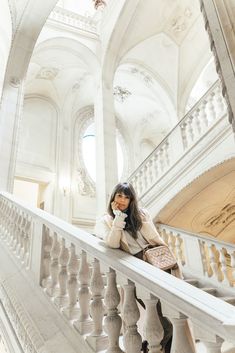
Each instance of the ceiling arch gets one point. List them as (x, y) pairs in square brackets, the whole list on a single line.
[(206, 205)]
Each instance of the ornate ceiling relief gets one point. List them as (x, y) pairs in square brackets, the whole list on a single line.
[(147, 79), (181, 22), (222, 219), (218, 218), (47, 73)]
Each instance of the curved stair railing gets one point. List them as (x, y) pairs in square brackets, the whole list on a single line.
[(183, 137), (210, 260), (82, 280)]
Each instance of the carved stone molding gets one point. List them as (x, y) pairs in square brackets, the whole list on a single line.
[(27, 334), (85, 184), (85, 188), (218, 65), (47, 73)]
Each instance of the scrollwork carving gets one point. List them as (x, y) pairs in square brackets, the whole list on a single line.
[(85, 188)]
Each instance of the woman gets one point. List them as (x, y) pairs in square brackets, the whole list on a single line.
[(130, 228)]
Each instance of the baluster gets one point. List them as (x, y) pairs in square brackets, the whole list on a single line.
[(112, 322), (155, 165), (171, 242), (233, 266), (211, 108), (23, 227), (224, 268), (140, 182), (18, 234), (164, 235), (153, 330), (213, 262), (161, 159), (52, 287), (84, 323), (15, 230), (220, 101), (47, 246), (62, 297), (145, 177), (184, 135), (182, 340), (166, 150), (2, 213), (9, 224), (97, 339), (190, 130), (204, 115), (5, 223), (26, 240), (12, 226), (179, 251), (72, 311), (198, 121), (131, 314), (150, 171), (203, 257)]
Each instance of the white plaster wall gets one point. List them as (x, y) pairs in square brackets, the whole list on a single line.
[(37, 143), (5, 38)]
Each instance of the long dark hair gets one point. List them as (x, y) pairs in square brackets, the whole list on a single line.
[(133, 219)]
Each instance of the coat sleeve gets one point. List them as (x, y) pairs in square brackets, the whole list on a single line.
[(149, 230), (111, 229)]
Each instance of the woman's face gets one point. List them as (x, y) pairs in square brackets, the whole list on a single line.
[(122, 201)]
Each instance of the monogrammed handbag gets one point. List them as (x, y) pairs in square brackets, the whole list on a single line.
[(160, 257)]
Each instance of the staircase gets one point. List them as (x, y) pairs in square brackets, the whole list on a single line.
[(55, 280)]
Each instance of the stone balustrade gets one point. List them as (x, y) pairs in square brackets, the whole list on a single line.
[(94, 287), (185, 135), (203, 256), (72, 19)]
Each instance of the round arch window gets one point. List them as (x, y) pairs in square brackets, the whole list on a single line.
[(89, 153)]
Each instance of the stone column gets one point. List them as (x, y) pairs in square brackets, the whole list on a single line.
[(106, 151), (10, 113), (31, 22)]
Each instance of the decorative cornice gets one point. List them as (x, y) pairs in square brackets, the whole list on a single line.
[(27, 334)]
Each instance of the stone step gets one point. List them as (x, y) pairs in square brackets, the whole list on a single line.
[(192, 281), (229, 300), (209, 290)]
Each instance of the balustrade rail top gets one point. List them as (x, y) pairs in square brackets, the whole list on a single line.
[(199, 236), (181, 295), (175, 127)]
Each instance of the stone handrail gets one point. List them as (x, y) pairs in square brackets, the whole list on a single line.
[(194, 125), (70, 18), (202, 256), (83, 279)]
